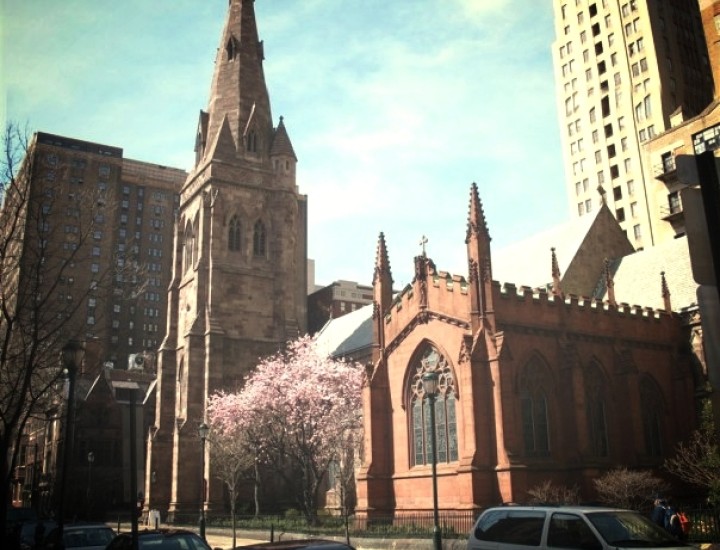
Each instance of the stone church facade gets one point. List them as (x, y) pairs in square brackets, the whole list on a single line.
[(238, 289), (534, 385)]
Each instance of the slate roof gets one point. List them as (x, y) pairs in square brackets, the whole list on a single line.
[(528, 262), (347, 334), (637, 277)]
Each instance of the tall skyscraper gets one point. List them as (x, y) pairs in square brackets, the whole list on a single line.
[(97, 227), (238, 290), (623, 68)]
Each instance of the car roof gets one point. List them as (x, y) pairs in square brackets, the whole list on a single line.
[(562, 507), (297, 545), (165, 532)]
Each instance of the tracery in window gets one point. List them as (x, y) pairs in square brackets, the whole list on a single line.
[(234, 234), (259, 239), (430, 360), (535, 385), (595, 408)]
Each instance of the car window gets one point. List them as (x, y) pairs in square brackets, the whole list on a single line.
[(629, 528), (511, 527), (87, 536), (571, 531)]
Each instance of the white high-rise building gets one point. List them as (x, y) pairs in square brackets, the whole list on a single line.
[(622, 69)]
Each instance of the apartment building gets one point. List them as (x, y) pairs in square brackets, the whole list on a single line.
[(623, 68), (107, 225)]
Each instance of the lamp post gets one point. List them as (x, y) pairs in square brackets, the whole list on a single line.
[(72, 357), (90, 459), (203, 430), (430, 385)]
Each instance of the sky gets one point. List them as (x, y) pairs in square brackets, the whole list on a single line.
[(394, 108)]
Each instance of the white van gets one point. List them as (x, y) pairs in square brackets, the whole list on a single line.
[(586, 528)]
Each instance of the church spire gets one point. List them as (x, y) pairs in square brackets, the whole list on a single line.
[(665, 292), (556, 287), (477, 240), (609, 283), (238, 122)]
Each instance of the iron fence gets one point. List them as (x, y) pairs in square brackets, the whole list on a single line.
[(705, 526)]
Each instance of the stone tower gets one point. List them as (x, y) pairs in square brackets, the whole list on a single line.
[(238, 288)]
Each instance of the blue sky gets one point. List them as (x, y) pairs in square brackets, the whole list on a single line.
[(394, 107)]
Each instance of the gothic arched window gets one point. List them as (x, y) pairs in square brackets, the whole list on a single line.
[(445, 420), (252, 141), (651, 408), (534, 387), (595, 410), (188, 248), (259, 239), (234, 234)]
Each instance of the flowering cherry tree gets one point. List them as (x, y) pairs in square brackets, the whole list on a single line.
[(294, 413)]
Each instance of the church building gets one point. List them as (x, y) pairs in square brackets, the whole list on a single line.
[(238, 288), (535, 383)]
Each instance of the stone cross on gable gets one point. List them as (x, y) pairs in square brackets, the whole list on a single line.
[(422, 243)]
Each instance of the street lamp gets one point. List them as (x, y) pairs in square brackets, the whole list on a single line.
[(203, 430), (430, 385), (72, 357), (90, 459)]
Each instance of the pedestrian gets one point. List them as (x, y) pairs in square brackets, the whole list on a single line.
[(672, 522), (658, 513)]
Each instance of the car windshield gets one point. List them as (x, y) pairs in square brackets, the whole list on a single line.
[(630, 530), (87, 536), (177, 541)]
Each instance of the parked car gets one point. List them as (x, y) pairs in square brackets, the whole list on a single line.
[(80, 536), (31, 531), (16, 517), (305, 544), (160, 539), (585, 528)]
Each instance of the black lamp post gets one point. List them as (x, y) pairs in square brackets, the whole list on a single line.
[(203, 430), (430, 385), (72, 357), (90, 459)]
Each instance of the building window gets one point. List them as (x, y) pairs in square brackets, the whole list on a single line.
[(637, 232), (234, 234), (445, 421), (595, 385), (651, 409), (617, 193), (533, 408), (259, 239), (620, 214)]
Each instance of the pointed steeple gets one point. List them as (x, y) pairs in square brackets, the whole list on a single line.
[(556, 288), (476, 217), (609, 284), (238, 94), (477, 240), (281, 145), (665, 292), (382, 278), (382, 296)]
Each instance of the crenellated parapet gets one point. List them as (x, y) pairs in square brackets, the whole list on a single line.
[(525, 306)]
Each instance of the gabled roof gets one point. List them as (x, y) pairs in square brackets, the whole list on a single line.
[(347, 334), (637, 277), (528, 262)]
